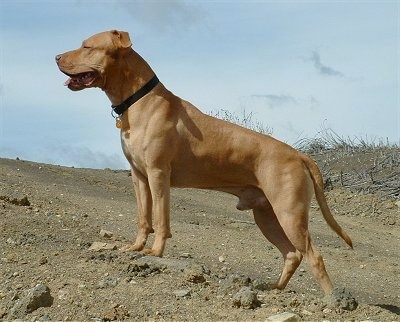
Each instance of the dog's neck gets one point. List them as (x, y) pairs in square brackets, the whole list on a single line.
[(124, 82)]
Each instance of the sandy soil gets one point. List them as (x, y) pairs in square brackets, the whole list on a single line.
[(51, 216)]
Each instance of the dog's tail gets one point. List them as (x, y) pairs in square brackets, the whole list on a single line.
[(316, 177)]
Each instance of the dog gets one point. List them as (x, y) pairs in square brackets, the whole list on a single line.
[(169, 142)]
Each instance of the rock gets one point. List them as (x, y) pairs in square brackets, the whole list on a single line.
[(36, 297), (108, 282), (11, 241), (221, 259), (166, 263), (43, 260), (284, 317), (143, 269), (233, 283), (106, 234), (342, 299), (24, 201), (116, 313), (246, 298), (195, 273), (182, 293), (99, 246), (260, 285)]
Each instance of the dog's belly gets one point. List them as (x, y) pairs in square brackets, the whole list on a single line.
[(250, 196)]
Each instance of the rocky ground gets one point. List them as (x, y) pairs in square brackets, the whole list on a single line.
[(61, 227)]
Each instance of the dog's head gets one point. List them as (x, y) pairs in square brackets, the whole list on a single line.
[(88, 65)]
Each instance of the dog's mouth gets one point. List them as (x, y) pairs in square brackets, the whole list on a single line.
[(80, 81)]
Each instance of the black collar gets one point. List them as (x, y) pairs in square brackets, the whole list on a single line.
[(121, 108)]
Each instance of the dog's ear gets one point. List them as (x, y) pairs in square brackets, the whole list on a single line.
[(121, 39)]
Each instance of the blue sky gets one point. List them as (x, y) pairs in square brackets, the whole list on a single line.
[(297, 66)]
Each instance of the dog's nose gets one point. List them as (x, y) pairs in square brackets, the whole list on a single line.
[(58, 57)]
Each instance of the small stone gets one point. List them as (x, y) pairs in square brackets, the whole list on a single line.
[(185, 255), (106, 234), (342, 299), (195, 274), (63, 294), (108, 282), (37, 297), (182, 293), (260, 285), (116, 313), (306, 312), (284, 317), (233, 283), (45, 317), (11, 241), (43, 261), (246, 298), (99, 246), (221, 259)]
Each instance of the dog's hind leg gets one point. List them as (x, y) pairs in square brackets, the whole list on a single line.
[(266, 220), (291, 205), (295, 226)]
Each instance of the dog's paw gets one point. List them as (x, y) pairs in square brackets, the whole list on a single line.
[(151, 252), (131, 247)]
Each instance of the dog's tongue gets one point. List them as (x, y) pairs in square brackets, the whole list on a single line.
[(80, 79)]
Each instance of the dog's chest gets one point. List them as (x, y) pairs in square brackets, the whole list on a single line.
[(133, 149)]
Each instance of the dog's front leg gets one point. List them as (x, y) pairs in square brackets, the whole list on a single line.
[(144, 210), (159, 181)]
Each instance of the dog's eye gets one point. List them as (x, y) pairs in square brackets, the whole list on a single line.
[(85, 45)]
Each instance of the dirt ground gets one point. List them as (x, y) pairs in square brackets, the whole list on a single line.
[(52, 216)]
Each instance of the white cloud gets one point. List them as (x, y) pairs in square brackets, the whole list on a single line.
[(322, 68), (274, 100)]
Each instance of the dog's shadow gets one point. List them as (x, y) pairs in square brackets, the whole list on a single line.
[(392, 308)]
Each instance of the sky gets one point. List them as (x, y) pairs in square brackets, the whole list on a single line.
[(298, 67)]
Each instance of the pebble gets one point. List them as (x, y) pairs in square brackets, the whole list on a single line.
[(195, 274), (246, 298), (108, 282), (106, 234), (43, 261), (34, 298), (284, 317), (182, 293), (341, 298), (98, 246), (260, 285), (185, 255), (11, 241)]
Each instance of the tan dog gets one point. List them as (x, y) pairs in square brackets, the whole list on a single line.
[(169, 142)]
